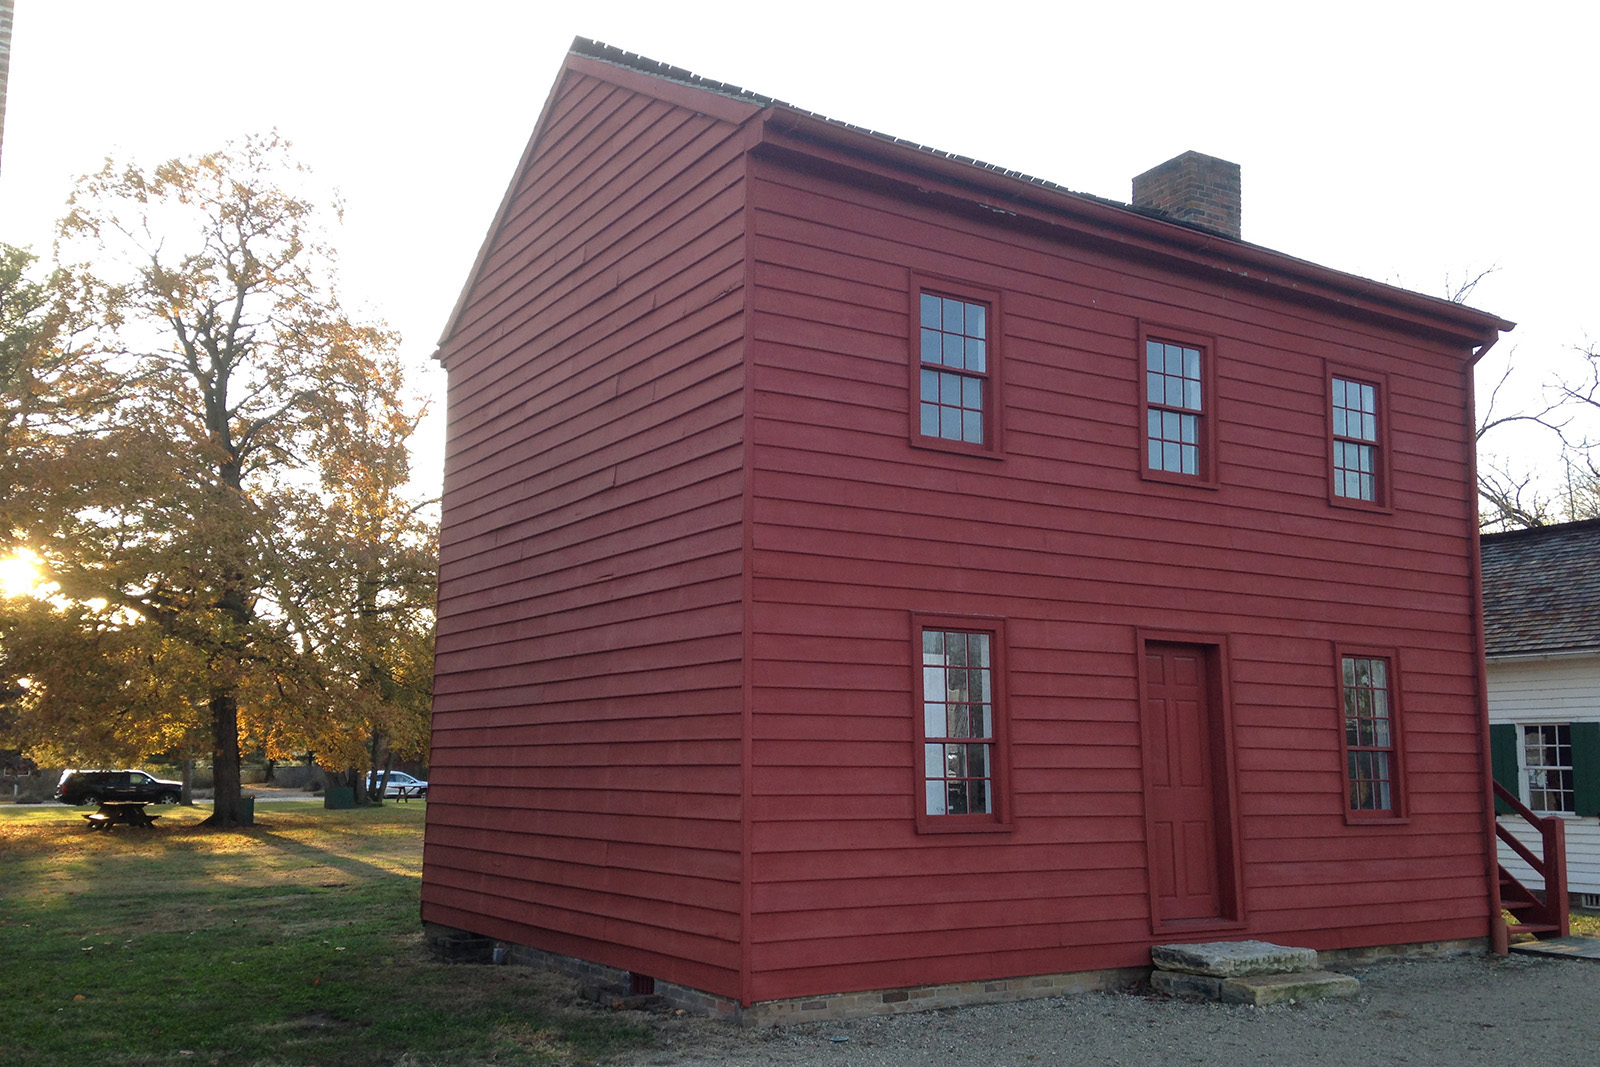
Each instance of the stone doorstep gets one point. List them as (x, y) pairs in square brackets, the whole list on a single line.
[(1233, 959), (1298, 987), (1259, 990)]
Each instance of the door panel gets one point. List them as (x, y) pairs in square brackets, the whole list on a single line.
[(1185, 862)]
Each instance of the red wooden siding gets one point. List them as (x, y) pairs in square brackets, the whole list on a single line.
[(686, 536), (587, 748), (852, 530)]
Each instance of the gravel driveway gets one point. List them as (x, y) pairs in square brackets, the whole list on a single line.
[(1447, 1012)]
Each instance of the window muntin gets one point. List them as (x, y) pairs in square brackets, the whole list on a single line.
[(958, 722), (1174, 406), (1548, 768), (954, 390), (1176, 371), (1367, 689), (960, 769), (1355, 439)]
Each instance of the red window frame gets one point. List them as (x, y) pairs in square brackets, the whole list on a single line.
[(1365, 746), (1205, 442), (988, 378), (1379, 383), (997, 776)]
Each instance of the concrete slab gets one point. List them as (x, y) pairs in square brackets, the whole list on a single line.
[(1186, 986), (1573, 948), (1233, 959), (1297, 988)]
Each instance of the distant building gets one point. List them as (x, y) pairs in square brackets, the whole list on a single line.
[(1541, 611)]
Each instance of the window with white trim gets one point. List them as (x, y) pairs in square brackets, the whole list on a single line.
[(1547, 767)]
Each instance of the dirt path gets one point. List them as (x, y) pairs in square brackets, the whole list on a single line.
[(1453, 1012)]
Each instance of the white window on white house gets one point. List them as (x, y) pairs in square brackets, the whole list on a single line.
[(1547, 767)]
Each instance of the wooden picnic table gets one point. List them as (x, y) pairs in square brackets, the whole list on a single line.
[(120, 812)]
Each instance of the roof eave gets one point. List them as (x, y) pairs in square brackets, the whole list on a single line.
[(1542, 655), (797, 131)]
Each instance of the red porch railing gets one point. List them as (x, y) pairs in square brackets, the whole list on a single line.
[(1547, 917)]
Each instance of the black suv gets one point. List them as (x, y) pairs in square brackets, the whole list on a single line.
[(91, 787)]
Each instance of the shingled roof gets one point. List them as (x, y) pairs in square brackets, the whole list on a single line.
[(583, 46), (1029, 201), (1541, 590)]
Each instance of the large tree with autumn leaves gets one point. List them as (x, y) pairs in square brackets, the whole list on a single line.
[(213, 471)]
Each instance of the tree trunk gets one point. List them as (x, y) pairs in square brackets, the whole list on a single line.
[(378, 780), (225, 761), (356, 778), (186, 797), (381, 778)]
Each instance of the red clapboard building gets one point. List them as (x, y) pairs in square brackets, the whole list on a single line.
[(866, 569)]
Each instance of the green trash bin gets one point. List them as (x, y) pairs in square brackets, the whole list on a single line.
[(339, 796), (247, 811)]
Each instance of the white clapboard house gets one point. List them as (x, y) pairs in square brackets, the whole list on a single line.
[(1541, 609)]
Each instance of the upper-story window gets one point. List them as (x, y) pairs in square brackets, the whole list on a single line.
[(1179, 427), (1355, 439), (1358, 456), (955, 384)]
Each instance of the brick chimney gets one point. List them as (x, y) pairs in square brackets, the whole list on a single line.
[(1194, 188)]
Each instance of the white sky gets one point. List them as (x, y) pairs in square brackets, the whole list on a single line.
[(1411, 142)]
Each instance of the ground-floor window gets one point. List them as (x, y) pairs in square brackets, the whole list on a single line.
[(1552, 767), (1547, 767), (960, 719), (1368, 696)]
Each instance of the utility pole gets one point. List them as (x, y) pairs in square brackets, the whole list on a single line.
[(7, 9)]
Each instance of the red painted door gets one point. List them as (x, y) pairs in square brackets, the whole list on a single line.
[(1180, 723)]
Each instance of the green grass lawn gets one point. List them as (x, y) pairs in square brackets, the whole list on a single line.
[(296, 942)]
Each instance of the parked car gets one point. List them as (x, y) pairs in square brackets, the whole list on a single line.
[(402, 784), (91, 787)]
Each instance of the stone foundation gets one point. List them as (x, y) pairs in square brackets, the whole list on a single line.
[(1353, 957), (617, 987), (932, 997), (611, 985)]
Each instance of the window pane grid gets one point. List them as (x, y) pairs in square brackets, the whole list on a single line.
[(955, 362), (1547, 761), (1369, 732), (1175, 403), (1355, 437), (958, 722)]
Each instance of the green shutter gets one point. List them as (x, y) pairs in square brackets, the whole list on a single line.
[(1586, 767), (1503, 760)]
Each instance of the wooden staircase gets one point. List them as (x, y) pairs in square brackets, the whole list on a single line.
[(1543, 915)]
